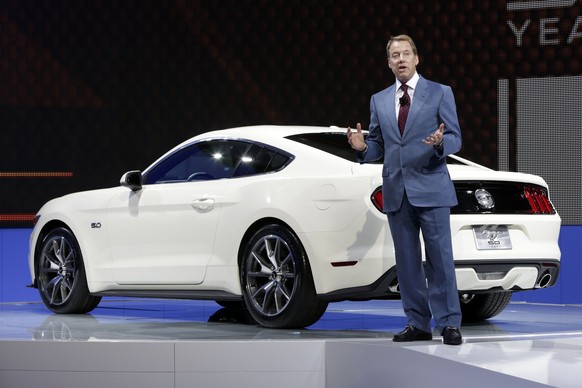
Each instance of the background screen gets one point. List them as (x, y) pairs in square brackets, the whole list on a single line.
[(91, 89)]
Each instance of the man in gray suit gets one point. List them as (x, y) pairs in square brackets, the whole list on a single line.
[(414, 126)]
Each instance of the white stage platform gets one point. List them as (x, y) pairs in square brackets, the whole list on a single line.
[(159, 343)]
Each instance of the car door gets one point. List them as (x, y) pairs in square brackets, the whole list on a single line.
[(164, 233)]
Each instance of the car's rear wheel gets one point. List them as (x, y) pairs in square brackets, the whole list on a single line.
[(276, 280), (61, 278), (477, 307)]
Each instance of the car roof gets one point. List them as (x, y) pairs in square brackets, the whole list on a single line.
[(264, 132), (276, 135)]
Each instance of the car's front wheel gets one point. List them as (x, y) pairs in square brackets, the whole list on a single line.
[(276, 280), (61, 276), (477, 307)]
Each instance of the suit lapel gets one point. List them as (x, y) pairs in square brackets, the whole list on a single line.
[(420, 96), (390, 109)]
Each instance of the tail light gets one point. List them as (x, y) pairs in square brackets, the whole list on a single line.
[(509, 198), (519, 199), (538, 200), (377, 199)]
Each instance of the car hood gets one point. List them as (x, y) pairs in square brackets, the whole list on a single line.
[(86, 200)]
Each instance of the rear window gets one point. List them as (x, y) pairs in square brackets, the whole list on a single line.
[(335, 143)]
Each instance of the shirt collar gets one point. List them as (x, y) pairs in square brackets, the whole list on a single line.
[(411, 82)]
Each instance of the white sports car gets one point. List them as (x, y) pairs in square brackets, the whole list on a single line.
[(282, 220)]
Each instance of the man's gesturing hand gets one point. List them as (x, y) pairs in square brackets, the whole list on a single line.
[(436, 139), (356, 139)]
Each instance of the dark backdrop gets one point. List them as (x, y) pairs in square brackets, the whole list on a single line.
[(91, 89)]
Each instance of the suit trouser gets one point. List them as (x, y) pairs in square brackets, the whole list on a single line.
[(435, 282)]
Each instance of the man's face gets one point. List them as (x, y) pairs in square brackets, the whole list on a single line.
[(402, 61)]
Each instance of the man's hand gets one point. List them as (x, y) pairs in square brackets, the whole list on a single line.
[(436, 139), (356, 139)]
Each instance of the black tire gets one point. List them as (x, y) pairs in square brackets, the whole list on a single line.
[(478, 307), (61, 278), (276, 280)]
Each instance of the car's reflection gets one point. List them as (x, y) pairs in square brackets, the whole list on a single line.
[(224, 323)]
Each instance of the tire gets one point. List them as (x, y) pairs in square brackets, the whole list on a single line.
[(276, 280), (61, 278), (478, 307)]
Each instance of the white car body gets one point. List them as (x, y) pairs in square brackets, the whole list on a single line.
[(184, 239)]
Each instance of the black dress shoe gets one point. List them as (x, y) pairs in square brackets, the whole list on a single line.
[(411, 333), (452, 336)]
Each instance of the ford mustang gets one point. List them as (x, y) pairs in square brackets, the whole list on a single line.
[(281, 220)]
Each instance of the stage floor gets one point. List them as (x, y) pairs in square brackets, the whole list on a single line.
[(536, 343)]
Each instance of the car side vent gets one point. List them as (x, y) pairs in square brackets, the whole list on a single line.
[(501, 198)]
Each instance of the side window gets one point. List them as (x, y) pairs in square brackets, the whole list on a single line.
[(279, 161), (259, 160), (216, 159), (253, 162), (206, 160)]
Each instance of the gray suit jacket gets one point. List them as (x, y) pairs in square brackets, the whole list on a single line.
[(409, 164)]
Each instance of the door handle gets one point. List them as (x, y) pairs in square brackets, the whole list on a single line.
[(203, 204)]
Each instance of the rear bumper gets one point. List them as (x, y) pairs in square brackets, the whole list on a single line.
[(472, 277), (475, 276)]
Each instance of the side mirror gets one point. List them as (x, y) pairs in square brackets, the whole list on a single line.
[(131, 180)]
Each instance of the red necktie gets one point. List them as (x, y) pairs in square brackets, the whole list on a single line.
[(404, 107)]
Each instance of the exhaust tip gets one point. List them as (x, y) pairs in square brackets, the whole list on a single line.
[(545, 281)]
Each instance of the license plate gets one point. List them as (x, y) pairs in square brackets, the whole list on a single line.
[(492, 237)]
